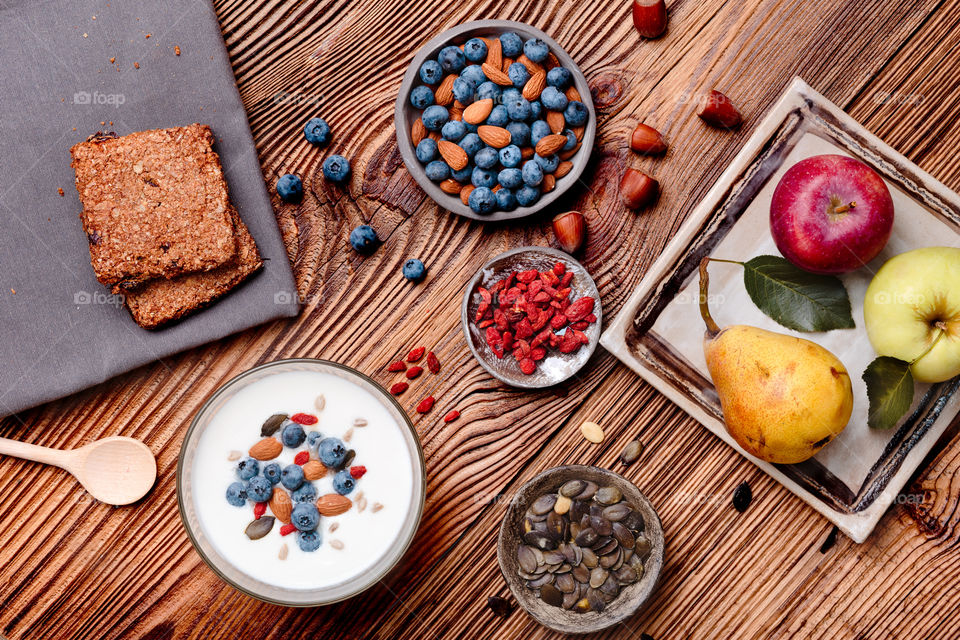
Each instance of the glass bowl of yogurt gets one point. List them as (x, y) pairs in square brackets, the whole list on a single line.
[(301, 482)]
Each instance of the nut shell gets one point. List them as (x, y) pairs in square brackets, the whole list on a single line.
[(570, 229)]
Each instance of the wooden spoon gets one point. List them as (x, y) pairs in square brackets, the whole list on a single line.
[(115, 470)]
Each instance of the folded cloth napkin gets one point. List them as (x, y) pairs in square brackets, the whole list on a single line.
[(72, 68)]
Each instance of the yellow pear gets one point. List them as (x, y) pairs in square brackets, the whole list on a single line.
[(783, 398)]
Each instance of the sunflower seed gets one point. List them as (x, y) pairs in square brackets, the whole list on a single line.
[(320, 402), (360, 422), (336, 544), (631, 452), (348, 435), (283, 551), (361, 505), (334, 527), (234, 456), (376, 507)]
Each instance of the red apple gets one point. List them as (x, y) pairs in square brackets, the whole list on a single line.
[(831, 214)]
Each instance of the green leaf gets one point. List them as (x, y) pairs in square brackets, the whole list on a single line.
[(795, 298), (890, 390)]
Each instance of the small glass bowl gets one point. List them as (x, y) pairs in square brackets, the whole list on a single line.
[(269, 592)]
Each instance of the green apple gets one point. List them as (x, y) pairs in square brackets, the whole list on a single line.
[(913, 299)]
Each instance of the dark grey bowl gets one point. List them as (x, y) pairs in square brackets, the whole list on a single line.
[(630, 599), (556, 367), (405, 115)]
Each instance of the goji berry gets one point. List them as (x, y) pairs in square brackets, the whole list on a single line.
[(413, 372), (432, 363), (450, 417), (301, 458), (399, 388), (357, 472), (426, 404), (399, 365), (528, 366), (416, 354), (287, 529), (259, 509), (304, 418), (559, 268), (580, 309)]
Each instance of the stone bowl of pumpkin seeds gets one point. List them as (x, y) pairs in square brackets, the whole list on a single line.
[(581, 548)]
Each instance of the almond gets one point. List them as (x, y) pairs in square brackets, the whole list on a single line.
[(453, 154), (456, 113), (333, 504), (444, 93), (531, 66), (535, 85), (495, 53), (578, 131), (280, 504), (549, 145), (451, 186), (526, 153), (549, 182), (506, 64), (496, 137), (266, 449), (566, 155), (572, 93), (556, 121), (563, 169), (418, 132), (647, 140), (465, 194), (552, 61), (494, 75), (314, 470), (478, 112)]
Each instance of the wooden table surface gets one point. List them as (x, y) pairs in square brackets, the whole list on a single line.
[(73, 568)]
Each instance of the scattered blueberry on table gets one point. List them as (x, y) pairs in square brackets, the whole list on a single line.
[(336, 168), (290, 188), (317, 132), (364, 239), (414, 270)]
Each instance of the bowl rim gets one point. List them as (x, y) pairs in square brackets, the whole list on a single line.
[(655, 560), (402, 126), (478, 277), (419, 479)]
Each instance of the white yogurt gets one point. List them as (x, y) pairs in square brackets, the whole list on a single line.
[(380, 447)]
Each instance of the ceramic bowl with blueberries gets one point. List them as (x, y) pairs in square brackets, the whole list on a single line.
[(494, 120)]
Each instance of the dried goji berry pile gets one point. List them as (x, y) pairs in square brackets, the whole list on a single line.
[(522, 313)]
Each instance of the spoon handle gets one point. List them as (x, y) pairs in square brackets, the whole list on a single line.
[(34, 452)]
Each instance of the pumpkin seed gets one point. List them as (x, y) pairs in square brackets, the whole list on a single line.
[(589, 489), (742, 496), (610, 586), (631, 452), (605, 545), (562, 505), (499, 606), (623, 536), (587, 537), (570, 599), (608, 495), (336, 544), (617, 512), (544, 504), (626, 575), (596, 602), (259, 527), (526, 558), (642, 547), (566, 583), (320, 402), (612, 559), (592, 432), (634, 522), (571, 488), (598, 576), (272, 424), (361, 504), (556, 525), (283, 551), (564, 568), (590, 559), (551, 595), (601, 525), (581, 574), (539, 539), (541, 581), (553, 557)]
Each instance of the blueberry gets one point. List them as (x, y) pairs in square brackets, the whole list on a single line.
[(483, 178), (305, 516), (336, 168), (292, 476), (289, 188), (414, 270), (237, 494), (475, 50), (332, 451), (536, 110), (536, 49), (489, 90), (463, 90), (421, 97), (343, 482), (474, 73), (559, 77), (308, 540), (519, 133), (506, 201), (472, 128), (510, 178), (434, 117), (571, 140), (259, 489), (427, 150), (519, 110), (451, 59), (306, 493), (486, 158), (438, 170), (431, 72), (548, 164), (498, 116), (364, 239), (312, 439), (553, 99), (272, 473), (510, 156), (482, 200), (527, 195), (532, 173), (317, 132), (539, 129), (576, 113), (471, 143), (453, 131), (510, 93), (247, 468), (511, 44), (292, 435), (518, 74), (463, 175)]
